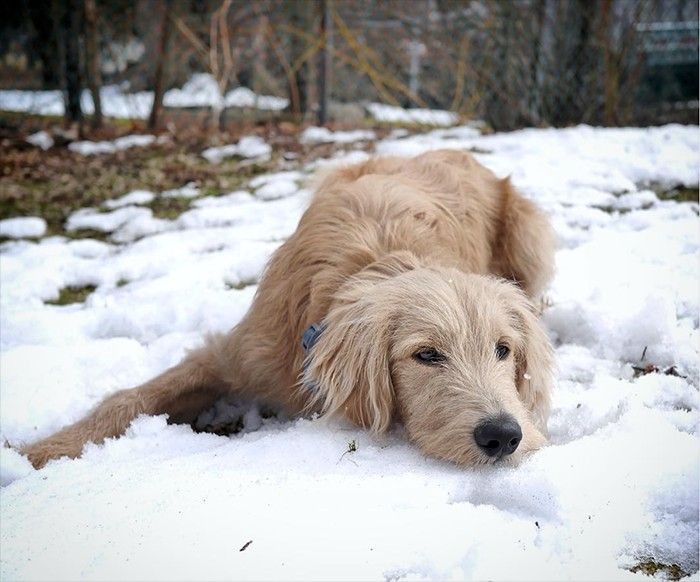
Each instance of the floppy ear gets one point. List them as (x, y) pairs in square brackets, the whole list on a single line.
[(534, 362), (348, 368)]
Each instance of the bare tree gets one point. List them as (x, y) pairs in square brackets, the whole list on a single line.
[(161, 62), (323, 63), (71, 39), (219, 57), (92, 60), (298, 82)]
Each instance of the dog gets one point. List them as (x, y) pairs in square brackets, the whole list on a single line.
[(407, 294)]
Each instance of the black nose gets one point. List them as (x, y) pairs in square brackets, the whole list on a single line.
[(498, 436)]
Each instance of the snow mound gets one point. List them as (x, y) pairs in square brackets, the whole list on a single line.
[(324, 135), (41, 139), (132, 198), (91, 148), (23, 227), (202, 90), (250, 146), (189, 190), (391, 114)]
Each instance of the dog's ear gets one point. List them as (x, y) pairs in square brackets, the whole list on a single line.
[(348, 368), (534, 361)]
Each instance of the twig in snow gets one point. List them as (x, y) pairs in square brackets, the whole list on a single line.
[(246, 545)]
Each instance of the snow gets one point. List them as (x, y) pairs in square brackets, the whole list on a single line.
[(202, 90), (134, 197), (41, 139), (115, 100), (23, 227), (250, 146), (617, 485), (244, 97), (89, 218), (189, 190), (91, 148), (324, 135), (392, 114)]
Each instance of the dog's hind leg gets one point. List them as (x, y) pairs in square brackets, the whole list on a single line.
[(524, 248), (181, 392)]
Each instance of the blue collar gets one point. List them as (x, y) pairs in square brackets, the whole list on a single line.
[(308, 341), (311, 335)]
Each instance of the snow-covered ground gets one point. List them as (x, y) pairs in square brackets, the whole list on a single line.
[(393, 114), (201, 90), (288, 499)]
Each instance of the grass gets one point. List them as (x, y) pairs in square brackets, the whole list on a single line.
[(652, 568), (680, 194), (82, 233), (169, 208), (70, 295), (56, 183)]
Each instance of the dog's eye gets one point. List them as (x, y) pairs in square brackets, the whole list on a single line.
[(429, 356), (502, 351)]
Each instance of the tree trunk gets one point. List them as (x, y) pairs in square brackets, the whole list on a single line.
[(71, 38), (535, 97), (298, 94), (45, 43), (92, 60), (323, 63), (161, 62), (611, 72)]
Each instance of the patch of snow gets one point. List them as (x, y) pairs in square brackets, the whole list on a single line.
[(292, 176), (276, 189), (325, 135), (391, 114), (41, 139), (202, 90), (223, 200), (250, 146), (115, 102), (135, 197), (40, 102), (90, 148), (89, 218), (23, 227), (189, 190), (244, 97), (338, 159), (635, 200)]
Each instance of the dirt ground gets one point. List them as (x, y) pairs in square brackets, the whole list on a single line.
[(54, 183)]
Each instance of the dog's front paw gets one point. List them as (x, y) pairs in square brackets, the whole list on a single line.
[(44, 451)]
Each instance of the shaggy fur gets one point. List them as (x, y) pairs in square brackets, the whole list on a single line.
[(394, 256)]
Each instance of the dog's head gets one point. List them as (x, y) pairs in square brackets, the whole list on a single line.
[(459, 359)]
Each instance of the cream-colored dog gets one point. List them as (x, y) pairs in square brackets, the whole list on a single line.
[(410, 284)]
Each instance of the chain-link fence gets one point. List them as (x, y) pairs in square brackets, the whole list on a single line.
[(512, 63)]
